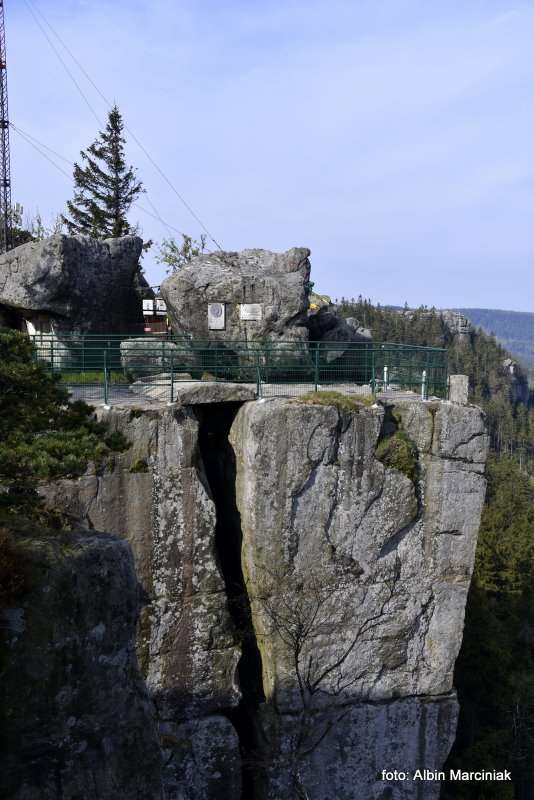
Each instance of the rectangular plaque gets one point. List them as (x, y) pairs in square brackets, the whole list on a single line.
[(216, 316), (251, 312), (161, 307)]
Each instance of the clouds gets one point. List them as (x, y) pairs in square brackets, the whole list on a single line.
[(394, 138)]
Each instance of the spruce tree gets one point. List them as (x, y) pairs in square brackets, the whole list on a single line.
[(104, 187)]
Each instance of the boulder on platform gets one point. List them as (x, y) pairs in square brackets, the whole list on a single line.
[(72, 283)]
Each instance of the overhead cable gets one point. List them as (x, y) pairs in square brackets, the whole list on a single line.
[(62, 61), (109, 104)]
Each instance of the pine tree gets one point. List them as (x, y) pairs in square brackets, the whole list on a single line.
[(105, 187)]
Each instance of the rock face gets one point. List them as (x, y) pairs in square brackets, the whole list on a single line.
[(304, 598), (374, 568), (157, 497), (274, 282), (73, 283), (77, 719)]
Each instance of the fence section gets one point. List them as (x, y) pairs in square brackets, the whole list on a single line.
[(105, 368)]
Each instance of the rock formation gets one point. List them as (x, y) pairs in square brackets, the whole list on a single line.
[(263, 295), (77, 721), (251, 520), (72, 284), (329, 328), (458, 325)]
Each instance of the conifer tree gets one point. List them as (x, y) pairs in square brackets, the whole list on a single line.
[(104, 186)]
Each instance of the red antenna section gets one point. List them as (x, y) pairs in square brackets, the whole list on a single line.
[(5, 166)]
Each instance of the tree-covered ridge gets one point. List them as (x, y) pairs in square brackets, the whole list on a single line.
[(514, 329)]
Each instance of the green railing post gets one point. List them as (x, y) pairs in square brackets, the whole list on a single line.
[(373, 376), (258, 376), (316, 368), (52, 352), (172, 377), (106, 388)]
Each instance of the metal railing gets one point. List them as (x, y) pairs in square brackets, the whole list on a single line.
[(103, 368)]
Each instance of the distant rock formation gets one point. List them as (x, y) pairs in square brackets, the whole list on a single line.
[(240, 514), (67, 284), (458, 325)]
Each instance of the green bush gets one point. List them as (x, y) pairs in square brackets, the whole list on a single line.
[(399, 452), (42, 435), (139, 466)]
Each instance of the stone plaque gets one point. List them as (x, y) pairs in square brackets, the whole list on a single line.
[(216, 316), (251, 312)]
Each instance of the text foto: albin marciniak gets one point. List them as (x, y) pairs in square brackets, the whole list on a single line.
[(462, 775), (454, 775)]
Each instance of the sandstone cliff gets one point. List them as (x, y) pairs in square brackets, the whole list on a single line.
[(76, 718), (304, 599)]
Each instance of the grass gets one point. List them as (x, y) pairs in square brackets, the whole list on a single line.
[(342, 402), (94, 376)]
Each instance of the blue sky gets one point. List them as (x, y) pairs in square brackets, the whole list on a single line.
[(394, 138)]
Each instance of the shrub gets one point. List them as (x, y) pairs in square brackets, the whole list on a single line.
[(398, 452), (42, 435)]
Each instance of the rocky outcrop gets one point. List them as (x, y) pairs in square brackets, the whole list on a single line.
[(276, 284), (73, 283), (357, 578), (157, 496), (458, 325), (330, 329), (77, 721), (305, 591)]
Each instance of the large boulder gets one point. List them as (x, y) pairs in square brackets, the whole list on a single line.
[(264, 295), (74, 283), (149, 357)]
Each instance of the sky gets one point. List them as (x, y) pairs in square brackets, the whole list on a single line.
[(394, 138)]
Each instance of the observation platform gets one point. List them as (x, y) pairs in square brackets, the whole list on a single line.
[(106, 370)]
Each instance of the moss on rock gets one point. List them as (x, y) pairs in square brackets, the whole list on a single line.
[(342, 402), (399, 452)]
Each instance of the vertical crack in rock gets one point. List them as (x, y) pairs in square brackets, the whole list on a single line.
[(218, 458)]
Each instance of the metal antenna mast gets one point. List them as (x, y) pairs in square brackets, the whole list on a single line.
[(5, 168)]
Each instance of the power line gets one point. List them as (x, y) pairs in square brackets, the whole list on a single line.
[(19, 130), (109, 104), (38, 145), (59, 56), (41, 152)]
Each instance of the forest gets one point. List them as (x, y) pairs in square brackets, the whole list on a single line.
[(514, 329)]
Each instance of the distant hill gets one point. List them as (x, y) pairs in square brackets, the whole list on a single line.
[(514, 329)]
